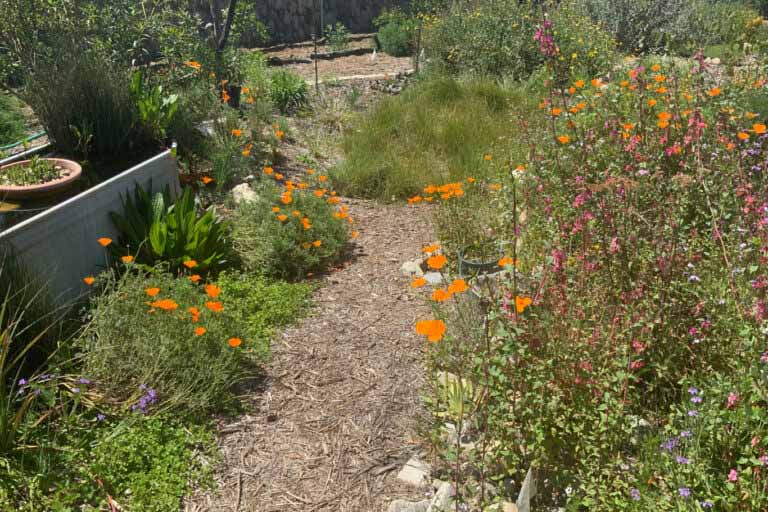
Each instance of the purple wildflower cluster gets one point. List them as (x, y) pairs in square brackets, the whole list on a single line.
[(149, 398)]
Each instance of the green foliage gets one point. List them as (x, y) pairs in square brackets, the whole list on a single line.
[(136, 343), (263, 304), (39, 170), (397, 32), (153, 230), (269, 246), (288, 91), (248, 31), (11, 120), (337, 37), (156, 110), (437, 131), (150, 463)]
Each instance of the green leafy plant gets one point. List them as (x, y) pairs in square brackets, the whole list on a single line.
[(289, 92), (11, 120), (248, 31), (337, 37), (156, 110), (37, 171), (154, 230), (396, 32)]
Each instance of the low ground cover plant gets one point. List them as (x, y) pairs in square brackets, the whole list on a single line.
[(11, 120), (621, 350)]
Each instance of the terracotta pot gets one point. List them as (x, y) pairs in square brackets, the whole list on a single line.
[(72, 173)]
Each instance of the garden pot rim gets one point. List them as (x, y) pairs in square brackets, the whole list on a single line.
[(41, 189)]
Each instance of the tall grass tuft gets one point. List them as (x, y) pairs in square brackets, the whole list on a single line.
[(437, 131), (11, 120)]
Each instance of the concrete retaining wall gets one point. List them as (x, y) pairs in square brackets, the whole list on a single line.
[(59, 245)]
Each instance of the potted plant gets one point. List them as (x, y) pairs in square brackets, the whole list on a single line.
[(38, 177)]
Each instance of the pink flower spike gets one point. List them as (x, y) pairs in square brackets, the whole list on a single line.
[(733, 476), (733, 399)]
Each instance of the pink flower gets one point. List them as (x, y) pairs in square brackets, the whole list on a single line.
[(636, 365), (733, 476), (733, 398), (638, 346), (615, 247)]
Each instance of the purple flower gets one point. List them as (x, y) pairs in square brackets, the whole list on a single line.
[(100, 417), (684, 492), (707, 504), (83, 380), (75, 390), (149, 398), (693, 391), (22, 382), (635, 494), (685, 433), (682, 460), (670, 444), (693, 413), (696, 399)]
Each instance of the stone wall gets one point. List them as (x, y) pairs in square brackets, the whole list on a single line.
[(295, 20)]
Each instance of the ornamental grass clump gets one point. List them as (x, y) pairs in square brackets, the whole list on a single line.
[(157, 342), (641, 275)]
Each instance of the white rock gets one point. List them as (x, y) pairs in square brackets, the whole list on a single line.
[(412, 268), (527, 491), (443, 499), (415, 472), (244, 193), (408, 506), (501, 507), (434, 278)]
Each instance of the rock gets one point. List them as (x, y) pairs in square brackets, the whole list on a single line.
[(415, 472), (243, 193), (504, 506), (408, 506), (527, 491), (443, 499), (412, 268), (434, 278)]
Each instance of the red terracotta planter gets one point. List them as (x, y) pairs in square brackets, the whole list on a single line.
[(72, 173)]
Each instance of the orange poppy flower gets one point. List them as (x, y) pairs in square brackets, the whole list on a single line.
[(199, 331), (663, 124), (217, 307), (564, 139), (195, 314), (355, 234), (759, 128), (714, 92), (664, 116), (628, 127), (104, 241), (305, 223), (212, 290), (659, 78), (317, 243), (418, 283), (310, 171), (556, 111), (278, 176), (488, 158), (296, 213), (432, 329), (234, 342), (268, 170), (127, 259), (194, 278), (655, 68), (470, 180), (319, 193), (206, 180), (194, 64), (743, 136), (165, 304), (282, 217), (246, 90), (152, 291), (89, 280), (579, 84), (247, 150), (237, 132), (279, 134), (458, 286), (286, 198), (521, 303), (430, 249), (437, 261), (440, 295), (506, 260), (322, 178), (275, 209), (652, 103), (190, 264)]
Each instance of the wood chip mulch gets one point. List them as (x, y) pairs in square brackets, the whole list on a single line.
[(339, 412)]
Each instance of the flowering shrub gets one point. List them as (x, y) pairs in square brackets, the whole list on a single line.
[(157, 342), (641, 222), (293, 228)]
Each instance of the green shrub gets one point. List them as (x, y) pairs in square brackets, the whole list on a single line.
[(437, 131), (154, 230), (289, 92), (248, 31), (396, 39), (263, 304), (143, 349), (286, 248), (337, 37), (11, 120)]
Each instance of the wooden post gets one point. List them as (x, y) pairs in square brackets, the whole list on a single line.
[(317, 82), (418, 48)]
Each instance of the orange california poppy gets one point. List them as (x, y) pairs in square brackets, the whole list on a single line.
[(564, 139), (440, 295), (715, 92), (430, 249), (275, 209), (104, 241), (487, 157), (506, 260), (165, 304), (237, 132), (418, 283), (199, 331), (355, 234), (206, 180), (217, 307), (322, 178), (212, 290), (127, 259), (317, 243), (89, 280), (437, 261), (234, 342), (268, 170), (743, 136), (521, 303), (194, 278), (458, 286), (432, 329), (759, 128), (282, 217), (152, 291), (190, 264)]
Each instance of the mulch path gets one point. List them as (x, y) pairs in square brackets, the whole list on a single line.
[(338, 414)]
